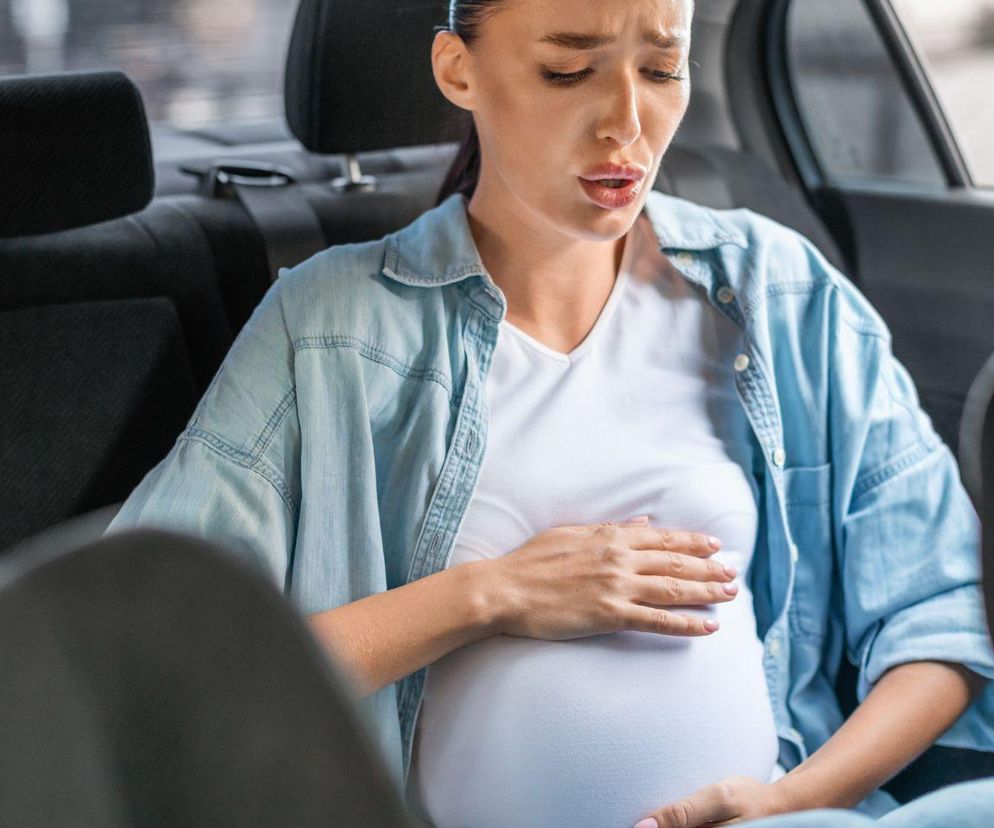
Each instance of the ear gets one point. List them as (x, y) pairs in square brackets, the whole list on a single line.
[(450, 63)]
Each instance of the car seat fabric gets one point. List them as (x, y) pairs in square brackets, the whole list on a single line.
[(112, 330), (358, 77), (74, 151), (94, 393), (154, 679)]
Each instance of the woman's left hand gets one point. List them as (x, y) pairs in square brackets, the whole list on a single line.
[(732, 800)]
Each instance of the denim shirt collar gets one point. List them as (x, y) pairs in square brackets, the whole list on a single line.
[(438, 247)]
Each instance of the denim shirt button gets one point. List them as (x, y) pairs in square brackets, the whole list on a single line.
[(793, 553), (741, 362), (685, 259), (775, 647), (779, 456), (725, 295)]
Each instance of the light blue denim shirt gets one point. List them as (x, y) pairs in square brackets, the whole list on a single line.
[(340, 442)]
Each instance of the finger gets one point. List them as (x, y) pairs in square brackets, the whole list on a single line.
[(667, 591), (680, 565), (653, 537), (664, 622), (713, 803), (589, 528), (640, 520)]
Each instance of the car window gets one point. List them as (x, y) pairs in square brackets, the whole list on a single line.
[(954, 40), (858, 117), (196, 62)]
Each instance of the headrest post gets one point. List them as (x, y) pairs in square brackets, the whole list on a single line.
[(354, 179)]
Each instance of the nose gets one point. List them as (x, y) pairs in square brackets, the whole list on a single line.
[(620, 122)]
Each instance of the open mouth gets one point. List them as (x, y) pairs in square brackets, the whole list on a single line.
[(611, 193)]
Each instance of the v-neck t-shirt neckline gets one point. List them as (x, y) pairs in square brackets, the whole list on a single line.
[(605, 315)]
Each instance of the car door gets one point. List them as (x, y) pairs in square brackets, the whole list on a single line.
[(845, 106)]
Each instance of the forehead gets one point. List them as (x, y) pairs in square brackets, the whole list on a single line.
[(602, 17)]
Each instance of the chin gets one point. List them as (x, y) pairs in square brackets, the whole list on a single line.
[(608, 225), (574, 215)]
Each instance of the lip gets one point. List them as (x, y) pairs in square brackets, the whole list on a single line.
[(632, 172), (613, 198)]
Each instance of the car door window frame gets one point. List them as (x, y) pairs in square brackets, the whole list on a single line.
[(911, 75)]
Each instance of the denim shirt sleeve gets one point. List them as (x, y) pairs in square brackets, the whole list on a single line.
[(908, 536), (231, 477)]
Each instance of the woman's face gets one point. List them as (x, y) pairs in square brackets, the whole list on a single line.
[(621, 102)]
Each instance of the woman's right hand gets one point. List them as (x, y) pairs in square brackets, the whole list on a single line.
[(576, 581)]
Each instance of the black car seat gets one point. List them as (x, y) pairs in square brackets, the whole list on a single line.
[(152, 679), (976, 458), (111, 321)]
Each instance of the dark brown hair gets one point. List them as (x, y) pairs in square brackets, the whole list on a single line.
[(465, 17)]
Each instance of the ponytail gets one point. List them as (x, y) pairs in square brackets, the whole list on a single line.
[(464, 172)]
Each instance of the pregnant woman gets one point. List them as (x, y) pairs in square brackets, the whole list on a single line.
[(641, 413), (437, 444)]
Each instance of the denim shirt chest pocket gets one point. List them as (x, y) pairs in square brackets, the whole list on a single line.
[(807, 496)]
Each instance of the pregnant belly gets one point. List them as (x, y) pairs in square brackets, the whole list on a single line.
[(595, 731)]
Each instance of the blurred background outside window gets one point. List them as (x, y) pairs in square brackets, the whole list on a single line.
[(955, 42), (200, 62), (196, 62), (856, 112)]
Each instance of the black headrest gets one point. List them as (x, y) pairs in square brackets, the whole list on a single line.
[(359, 76), (74, 150)]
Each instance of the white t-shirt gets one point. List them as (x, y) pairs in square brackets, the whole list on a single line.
[(642, 417)]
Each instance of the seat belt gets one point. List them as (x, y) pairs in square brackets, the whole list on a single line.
[(289, 226)]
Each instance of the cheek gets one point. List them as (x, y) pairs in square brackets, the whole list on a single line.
[(521, 112), (661, 118), (528, 130), (531, 156)]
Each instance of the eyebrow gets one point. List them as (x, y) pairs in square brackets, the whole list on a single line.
[(578, 40)]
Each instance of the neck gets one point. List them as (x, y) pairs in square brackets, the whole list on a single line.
[(555, 285)]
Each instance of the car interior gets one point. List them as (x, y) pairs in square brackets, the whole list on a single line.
[(131, 257)]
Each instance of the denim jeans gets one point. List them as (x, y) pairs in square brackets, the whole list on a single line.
[(964, 805)]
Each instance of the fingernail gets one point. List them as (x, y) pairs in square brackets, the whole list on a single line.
[(731, 571), (710, 626), (715, 543), (640, 519), (648, 822)]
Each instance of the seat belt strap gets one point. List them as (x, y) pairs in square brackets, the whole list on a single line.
[(289, 226)]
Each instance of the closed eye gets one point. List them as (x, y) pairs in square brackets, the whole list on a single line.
[(570, 78)]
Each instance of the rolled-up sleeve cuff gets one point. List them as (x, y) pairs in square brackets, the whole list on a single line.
[(948, 627)]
